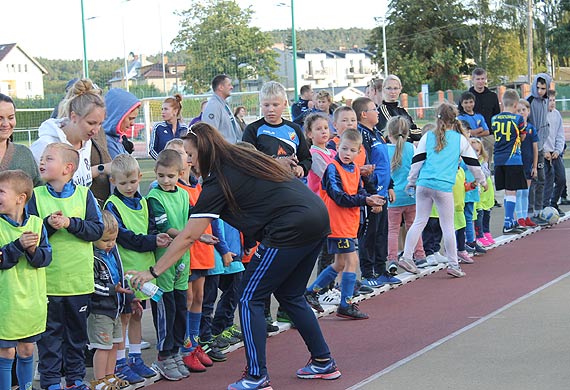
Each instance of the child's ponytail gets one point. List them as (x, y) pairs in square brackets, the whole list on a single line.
[(398, 129)]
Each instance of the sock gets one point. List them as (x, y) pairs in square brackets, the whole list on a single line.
[(323, 280), (121, 355), (519, 205), (25, 371), (192, 331), (134, 348), (347, 288), (510, 203), (6, 373), (524, 202)]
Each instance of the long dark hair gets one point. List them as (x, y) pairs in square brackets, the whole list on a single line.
[(214, 150), (8, 99)]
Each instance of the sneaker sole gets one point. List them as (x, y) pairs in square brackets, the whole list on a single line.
[(351, 317), (412, 270), (170, 378), (329, 376)]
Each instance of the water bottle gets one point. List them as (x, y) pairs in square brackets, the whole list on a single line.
[(150, 290), (411, 191), (179, 271)]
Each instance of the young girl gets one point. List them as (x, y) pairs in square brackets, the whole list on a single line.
[(171, 127), (433, 171), (318, 134), (486, 199), (401, 153), (325, 106)]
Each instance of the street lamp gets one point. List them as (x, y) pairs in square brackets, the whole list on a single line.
[(382, 19), (529, 36), (85, 63), (294, 46)]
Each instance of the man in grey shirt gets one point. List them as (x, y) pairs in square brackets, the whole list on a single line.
[(217, 112)]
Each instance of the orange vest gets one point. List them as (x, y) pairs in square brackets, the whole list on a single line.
[(360, 160), (344, 220), (201, 255)]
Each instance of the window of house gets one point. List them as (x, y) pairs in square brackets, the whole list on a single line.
[(25, 67), (19, 68)]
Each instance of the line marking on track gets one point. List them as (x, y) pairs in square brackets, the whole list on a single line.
[(455, 334)]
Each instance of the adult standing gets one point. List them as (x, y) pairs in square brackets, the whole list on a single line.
[(217, 112), (12, 155), (390, 107), (171, 126), (122, 110), (259, 197), (239, 114), (303, 107)]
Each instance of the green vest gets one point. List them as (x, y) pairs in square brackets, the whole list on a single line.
[(23, 299), (137, 222), (71, 268), (176, 204)]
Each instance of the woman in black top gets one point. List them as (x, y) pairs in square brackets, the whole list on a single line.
[(256, 195)]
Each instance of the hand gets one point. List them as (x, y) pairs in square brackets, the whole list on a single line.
[(366, 170), (163, 240), (554, 155), (228, 258), (139, 278), (136, 306), (58, 221), (209, 239), (547, 156), (485, 185), (408, 186), (533, 172), (247, 251), (375, 201), (298, 171), (376, 209), (127, 144), (391, 195), (122, 290), (29, 241)]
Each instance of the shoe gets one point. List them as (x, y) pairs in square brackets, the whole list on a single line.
[(247, 382), (539, 221), (560, 212), (441, 258), (477, 249), (362, 289), (470, 250), (203, 357), (312, 299), (181, 365), (490, 238), (351, 311), (270, 326), (521, 222), (564, 202), (103, 384), (78, 385), (483, 242), (227, 337), (56, 386), (371, 282), (464, 257), (408, 265), (136, 363), (331, 297), (512, 230), (192, 363), (145, 344), (235, 332), (387, 279), (455, 272), (168, 369), (421, 263), (497, 204), (529, 223), (88, 356), (123, 371), (317, 370), (220, 343), (212, 351), (431, 260), (393, 268), (283, 316)]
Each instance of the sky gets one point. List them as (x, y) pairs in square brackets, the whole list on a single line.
[(52, 29)]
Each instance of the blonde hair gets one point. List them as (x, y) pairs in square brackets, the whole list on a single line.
[(510, 98), (174, 142), (81, 99), (66, 152), (110, 224), (398, 128), (124, 164), (19, 181), (272, 89), (525, 103), (324, 95), (446, 120), (352, 135), (169, 158), (428, 127), (484, 156), (340, 109), (176, 102), (393, 77)]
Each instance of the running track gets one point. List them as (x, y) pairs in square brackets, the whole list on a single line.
[(407, 319)]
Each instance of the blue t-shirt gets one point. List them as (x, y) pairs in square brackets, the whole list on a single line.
[(400, 175), (526, 146), (474, 121), (506, 128)]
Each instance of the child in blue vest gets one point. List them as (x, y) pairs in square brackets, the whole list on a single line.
[(24, 251)]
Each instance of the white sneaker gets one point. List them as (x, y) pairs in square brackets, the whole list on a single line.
[(440, 258), (431, 260), (331, 297)]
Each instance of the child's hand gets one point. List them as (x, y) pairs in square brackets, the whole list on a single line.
[(391, 195), (58, 221), (375, 201), (376, 210), (485, 186), (120, 289), (209, 239), (366, 170), (29, 241), (298, 171), (163, 240), (533, 172), (228, 258), (547, 156), (248, 251), (136, 306)]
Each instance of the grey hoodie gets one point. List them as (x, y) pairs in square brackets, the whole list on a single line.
[(539, 109)]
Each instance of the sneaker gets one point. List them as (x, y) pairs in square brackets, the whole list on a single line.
[(441, 258), (78, 385), (564, 202), (362, 289), (512, 230), (220, 343), (203, 357), (136, 363), (408, 265), (283, 316), (227, 337), (455, 272), (330, 297), (393, 268), (387, 279), (521, 222), (182, 368), (145, 344), (123, 371), (431, 260), (236, 332), (497, 204), (168, 369), (482, 241), (371, 282), (529, 223), (56, 386), (470, 250), (560, 212), (192, 363), (421, 263), (464, 257), (270, 326), (490, 238), (312, 299), (212, 351), (477, 249), (539, 220), (317, 370), (351, 312), (247, 382)]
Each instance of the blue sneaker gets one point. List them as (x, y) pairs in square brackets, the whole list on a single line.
[(248, 382), (137, 365), (316, 370), (78, 385), (123, 371), (387, 279), (371, 282), (56, 386)]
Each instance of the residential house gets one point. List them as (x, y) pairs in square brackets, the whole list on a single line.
[(21, 76)]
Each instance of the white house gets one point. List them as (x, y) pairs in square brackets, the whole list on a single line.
[(21, 76)]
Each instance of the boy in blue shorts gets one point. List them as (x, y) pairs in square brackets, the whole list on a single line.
[(344, 197), (509, 129), (475, 121), (73, 221), (24, 251)]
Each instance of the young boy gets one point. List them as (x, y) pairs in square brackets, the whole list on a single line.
[(476, 122), (508, 129), (108, 301), (170, 206), (554, 171), (529, 153), (137, 242), (373, 239), (24, 251), (344, 196), (73, 221)]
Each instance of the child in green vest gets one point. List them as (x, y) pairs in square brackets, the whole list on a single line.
[(24, 251), (73, 221), (137, 240)]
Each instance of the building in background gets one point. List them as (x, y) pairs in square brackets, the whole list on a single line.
[(21, 76)]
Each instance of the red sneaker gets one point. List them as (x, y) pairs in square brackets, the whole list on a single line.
[(522, 222), (203, 357), (529, 222), (191, 361)]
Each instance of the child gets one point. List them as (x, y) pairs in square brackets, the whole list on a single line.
[(471, 198), (554, 171), (318, 133), (401, 153), (508, 128), (108, 301), (434, 170), (137, 242), (459, 220), (529, 153), (24, 252), (170, 207), (486, 198), (325, 106), (477, 125), (344, 196), (73, 221)]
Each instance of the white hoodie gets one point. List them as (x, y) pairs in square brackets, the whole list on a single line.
[(50, 132)]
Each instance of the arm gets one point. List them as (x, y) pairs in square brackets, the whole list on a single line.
[(534, 170), (319, 165), (303, 154), (332, 184), (42, 254), (152, 145), (104, 286), (91, 228), (560, 139), (217, 231)]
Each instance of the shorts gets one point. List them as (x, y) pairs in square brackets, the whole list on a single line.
[(129, 310), (14, 343), (197, 274), (510, 178), (341, 245), (104, 331)]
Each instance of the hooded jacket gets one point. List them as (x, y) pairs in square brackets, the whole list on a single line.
[(539, 109), (119, 104)]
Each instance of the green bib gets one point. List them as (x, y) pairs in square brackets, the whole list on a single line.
[(71, 269), (176, 204), (23, 299), (137, 222)]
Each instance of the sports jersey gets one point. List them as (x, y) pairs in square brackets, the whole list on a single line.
[(507, 128), (527, 152), (474, 120)]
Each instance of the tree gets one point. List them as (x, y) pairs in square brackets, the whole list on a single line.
[(217, 38)]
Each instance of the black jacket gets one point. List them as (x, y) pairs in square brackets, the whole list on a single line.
[(388, 110)]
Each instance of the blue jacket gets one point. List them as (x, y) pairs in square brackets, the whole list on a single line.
[(231, 238), (119, 103), (161, 134), (377, 153)]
